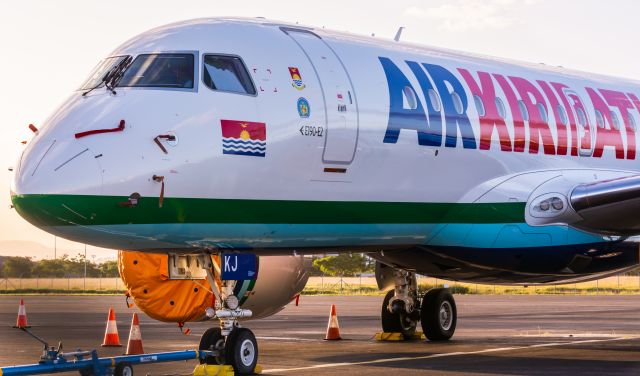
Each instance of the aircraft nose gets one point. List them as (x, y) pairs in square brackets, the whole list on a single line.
[(49, 171)]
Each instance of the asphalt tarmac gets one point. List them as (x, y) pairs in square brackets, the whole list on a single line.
[(496, 335)]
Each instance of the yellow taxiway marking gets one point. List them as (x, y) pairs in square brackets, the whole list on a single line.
[(444, 355)]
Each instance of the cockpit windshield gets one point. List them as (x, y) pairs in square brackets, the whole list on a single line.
[(170, 70), (99, 72)]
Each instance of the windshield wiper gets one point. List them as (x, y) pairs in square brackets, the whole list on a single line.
[(115, 72), (115, 75)]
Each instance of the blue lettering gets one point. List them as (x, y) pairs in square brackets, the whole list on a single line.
[(454, 119), (434, 129), (399, 116)]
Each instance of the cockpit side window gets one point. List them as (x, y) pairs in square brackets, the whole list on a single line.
[(170, 70), (227, 73)]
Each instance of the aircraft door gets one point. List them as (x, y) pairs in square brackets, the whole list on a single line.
[(339, 98), (586, 133)]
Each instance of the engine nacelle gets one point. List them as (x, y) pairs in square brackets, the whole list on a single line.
[(174, 288)]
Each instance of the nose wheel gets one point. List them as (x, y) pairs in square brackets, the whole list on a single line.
[(239, 350), (401, 308), (397, 320), (242, 351), (213, 340)]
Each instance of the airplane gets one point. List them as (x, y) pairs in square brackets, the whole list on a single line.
[(225, 149)]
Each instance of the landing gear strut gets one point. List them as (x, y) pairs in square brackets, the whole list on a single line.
[(401, 309), (234, 345)]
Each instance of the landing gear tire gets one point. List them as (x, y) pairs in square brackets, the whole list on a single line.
[(438, 315), (398, 322), (123, 369), (242, 351), (212, 340)]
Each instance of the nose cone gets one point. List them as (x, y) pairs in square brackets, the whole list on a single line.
[(52, 170)]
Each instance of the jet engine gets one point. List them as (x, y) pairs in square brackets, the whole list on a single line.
[(174, 288)]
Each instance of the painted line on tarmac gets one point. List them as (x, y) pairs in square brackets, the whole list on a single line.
[(292, 339), (444, 355)]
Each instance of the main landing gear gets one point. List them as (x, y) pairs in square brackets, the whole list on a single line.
[(401, 309), (234, 345)]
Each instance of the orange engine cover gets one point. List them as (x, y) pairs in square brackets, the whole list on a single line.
[(146, 277)]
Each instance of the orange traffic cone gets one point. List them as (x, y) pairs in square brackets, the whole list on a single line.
[(134, 347), (333, 329), (21, 322), (111, 337)]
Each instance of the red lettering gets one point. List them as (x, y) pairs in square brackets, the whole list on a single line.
[(538, 127), (636, 102), (618, 99), (572, 119), (491, 118), (561, 128), (606, 135), (519, 137)]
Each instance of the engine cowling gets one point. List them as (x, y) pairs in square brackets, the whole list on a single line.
[(174, 288)]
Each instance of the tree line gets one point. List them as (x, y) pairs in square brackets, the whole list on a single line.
[(343, 265), (65, 266)]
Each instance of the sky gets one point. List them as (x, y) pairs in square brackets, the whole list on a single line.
[(49, 47)]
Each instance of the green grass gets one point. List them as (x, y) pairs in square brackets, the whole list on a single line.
[(624, 285)]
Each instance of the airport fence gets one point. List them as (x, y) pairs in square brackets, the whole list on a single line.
[(367, 286), (325, 285)]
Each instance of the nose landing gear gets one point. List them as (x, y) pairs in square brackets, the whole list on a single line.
[(401, 309), (233, 344)]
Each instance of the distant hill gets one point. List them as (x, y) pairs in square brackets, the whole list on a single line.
[(24, 248), (39, 251)]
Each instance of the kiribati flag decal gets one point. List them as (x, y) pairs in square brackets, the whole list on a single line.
[(244, 138)]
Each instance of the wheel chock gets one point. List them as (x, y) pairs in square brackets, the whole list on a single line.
[(399, 337), (213, 370), (219, 370)]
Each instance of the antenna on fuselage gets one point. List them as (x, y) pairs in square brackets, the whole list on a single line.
[(398, 34)]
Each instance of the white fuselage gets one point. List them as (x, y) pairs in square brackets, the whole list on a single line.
[(375, 141)]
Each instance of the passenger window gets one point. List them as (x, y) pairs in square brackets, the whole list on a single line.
[(599, 119), (435, 100), (543, 112), (582, 118), (457, 103), (227, 73), (410, 97), (523, 110), (632, 121), (479, 105), (500, 106), (564, 120), (616, 121)]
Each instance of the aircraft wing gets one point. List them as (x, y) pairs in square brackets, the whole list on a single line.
[(606, 207)]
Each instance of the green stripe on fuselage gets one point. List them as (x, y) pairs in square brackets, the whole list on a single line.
[(61, 210)]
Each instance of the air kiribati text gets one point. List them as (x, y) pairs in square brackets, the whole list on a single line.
[(443, 119)]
